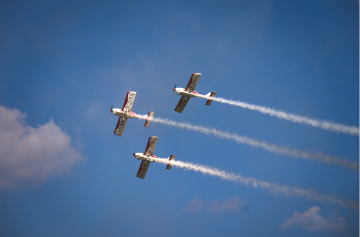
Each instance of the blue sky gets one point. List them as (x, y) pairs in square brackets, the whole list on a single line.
[(64, 64)]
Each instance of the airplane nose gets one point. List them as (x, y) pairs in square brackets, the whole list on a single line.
[(134, 154), (111, 110)]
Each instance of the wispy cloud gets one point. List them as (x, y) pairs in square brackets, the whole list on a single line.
[(215, 207), (194, 205), (311, 220), (30, 155)]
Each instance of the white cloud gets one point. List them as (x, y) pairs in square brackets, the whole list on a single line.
[(215, 207), (194, 205), (311, 220), (30, 155)]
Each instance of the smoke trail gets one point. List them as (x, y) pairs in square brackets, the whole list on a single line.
[(326, 125), (266, 146), (270, 187)]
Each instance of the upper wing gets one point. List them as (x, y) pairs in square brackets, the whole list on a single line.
[(182, 103), (192, 82), (119, 129), (143, 169), (149, 151), (129, 100)]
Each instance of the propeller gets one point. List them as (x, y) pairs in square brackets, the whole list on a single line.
[(174, 89), (111, 109)]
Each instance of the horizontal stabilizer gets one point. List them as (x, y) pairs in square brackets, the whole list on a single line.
[(212, 94), (172, 157), (148, 119)]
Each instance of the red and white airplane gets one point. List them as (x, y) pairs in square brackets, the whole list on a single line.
[(147, 157), (189, 92), (126, 113)]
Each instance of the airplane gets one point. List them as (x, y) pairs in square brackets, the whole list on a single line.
[(126, 113), (147, 157), (189, 92)]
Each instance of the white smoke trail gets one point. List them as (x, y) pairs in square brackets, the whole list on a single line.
[(270, 187), (326, 125), (318, 156)]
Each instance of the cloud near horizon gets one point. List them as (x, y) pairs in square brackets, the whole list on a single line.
[(215, 207), (312, 221), (29, 156)]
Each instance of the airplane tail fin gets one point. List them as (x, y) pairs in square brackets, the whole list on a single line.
[(212, 94), (148, 119), (172, 157)]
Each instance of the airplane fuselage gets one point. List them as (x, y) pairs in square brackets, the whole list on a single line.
[(183, 92), (121, 113), (141, 156)]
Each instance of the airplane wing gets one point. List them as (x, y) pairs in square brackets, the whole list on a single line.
[(182, 103), (129, 100), (149, 151), (192, 82), (143, 169), (119, 129)]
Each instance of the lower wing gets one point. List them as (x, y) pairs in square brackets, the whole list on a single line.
[(143, 169), (182, 103), (119, 129)]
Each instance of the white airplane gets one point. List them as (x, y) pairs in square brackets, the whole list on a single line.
[(146, 157), (126, 113), (189, 92)]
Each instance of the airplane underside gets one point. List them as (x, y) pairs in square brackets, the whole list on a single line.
[(189, 92), (147, 157), (125, 113)]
